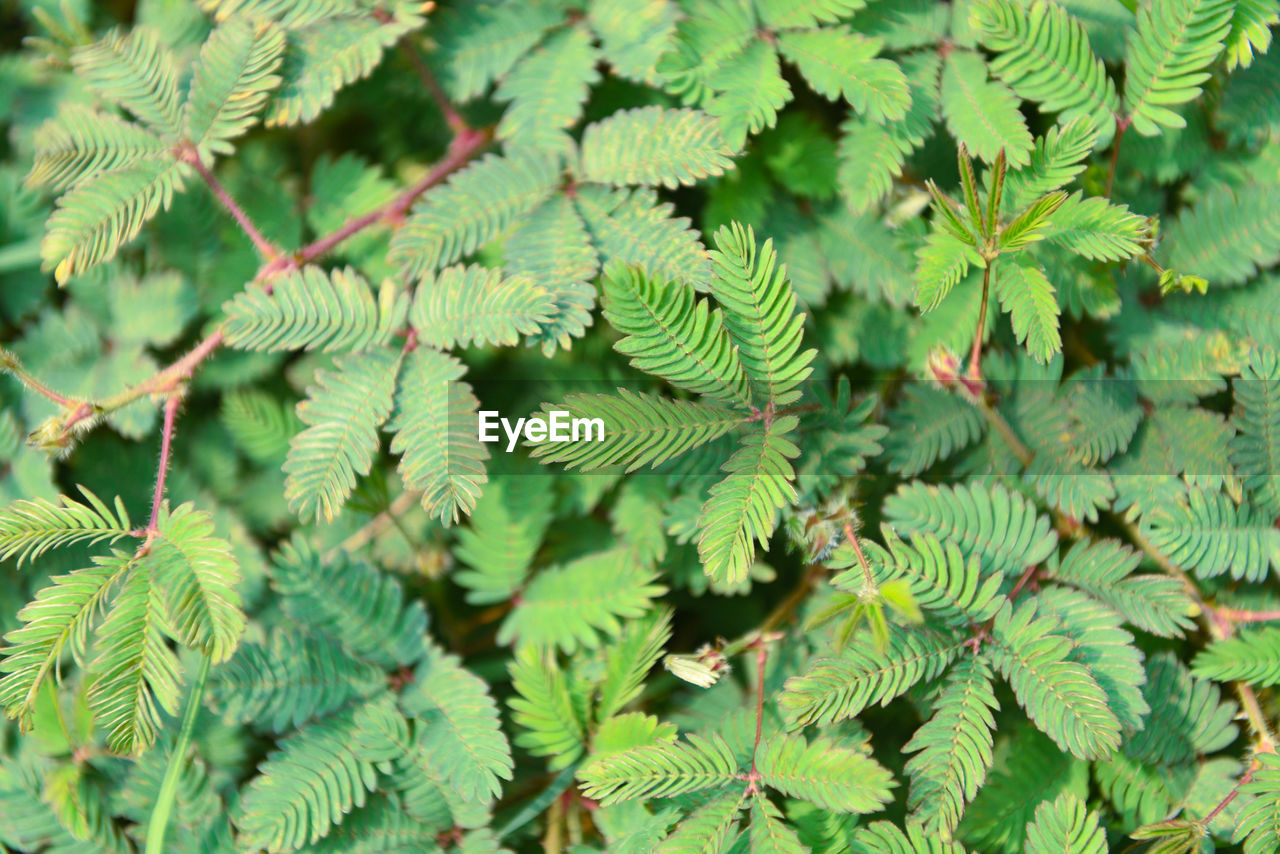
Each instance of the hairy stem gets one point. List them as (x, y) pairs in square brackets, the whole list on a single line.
[(762, 656), (975, 352), (452, 117), (852, 537), (9, 362), (159, 822), (188, 154), (1236, 616), (998, 423), (1121, 126), (166, 443)]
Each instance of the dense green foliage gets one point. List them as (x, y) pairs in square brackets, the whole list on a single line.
[(935, 351)]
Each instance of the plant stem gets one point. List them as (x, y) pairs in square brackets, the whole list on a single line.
[(1024, 454), (1235, 616), (975, 352), (159, 822), (1122, 125), (166, 443), (9, 362), (452, 117), (852, 537), (762, 656), (188, 154)]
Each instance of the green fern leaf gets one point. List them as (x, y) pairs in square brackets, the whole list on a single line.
[(634, 227), (639, 430), (1044, 55), (710, 829), (343, 413), (760, 314), (941, 579), (1167, 58), (662, 770), (441, 454), (1058, 159), (742, 508), (135, 70), (233, 78), (1251, 656), (928, 425), (1250, 34), (1153, 602), (633, 38), (1031, 301), (476, 205), (330, 54), (79, 143), (1255, 448), (306, 786), (953, 748), (458, 725), (289, 680), (1227, 236), (654, 146), (56, 621), (197, 576), (573, 605), (546, 91), (881, 837), (137, 673), (28, 529), (1066, 825), (461, 306), (1189, 718), (671, 335), (1209, 535), (833, 689), (629, 660), (480, 42), (825, 773), (982, 113), (545, 709), (796, 14), (501, 540), (1000, 527), (100, 214), (351, 602), (1258, 826), (260, 425), (749, 90), (1097, 229), (837, 62), (313, 310), (941, 263), (1059, 694)]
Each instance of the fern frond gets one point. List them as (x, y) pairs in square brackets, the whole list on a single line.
[(760, 314), (260, 425), (837, 62), (798, 14), (1059, 694), (351, 602), (833, 689), (707, 37), (749, 90), (981, 113), (634, 227), (825, 773), (633, 38), (306, 786), (100, 214), (137, 674), (1209, 535), (1255, 447), (573, 605), (290, 14), (882, 837), (953, 749), (1066, 825), (1251, 656), (28, 529), (544, 707), (941, 579), (343, 412), (233, 78), (79, 143), (654, 146), (1154, 602), (1167, 58), (1000, 527), (742, 508), (310, 309), (629, 660), (480, 42), (289, 680), (1096, 229), (1258, 826), (551, 246), (465, 305), (1250, 34), (58, 619), (1026, 293), (1227, 235), (476, 205), (546, 91), (1189, 717), (871, 156), (441, 455), (713, 827), (639, 430), (941, 263), (330, 54), (197, 575), (929, 425), (662, 770), (1059, 157), (458, 725), (1044, 55), (134, 69), (672, 335), (500, 542)]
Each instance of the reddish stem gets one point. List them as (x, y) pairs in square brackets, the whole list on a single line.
[(1122, 125), (1234, 616), (166, 442), (975, 352), (762, 655), (188, 154)]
